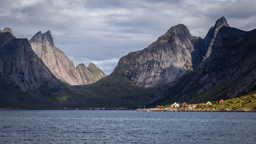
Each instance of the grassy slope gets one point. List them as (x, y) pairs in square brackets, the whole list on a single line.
[(113, 91), (109, 92), (243, 102), (95, 72)]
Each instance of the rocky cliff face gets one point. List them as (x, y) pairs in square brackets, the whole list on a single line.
[(211, 35), (187, 68), (203, 47), (58, 63), (162, 62), (231, 62), (55, 59), (90, 74), (229, 71), (20, 67), (165, 61)]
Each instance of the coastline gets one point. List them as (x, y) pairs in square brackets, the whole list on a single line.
[(195, 110)]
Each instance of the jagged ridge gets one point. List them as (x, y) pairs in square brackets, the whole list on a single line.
[(228, 72), (59, 64)]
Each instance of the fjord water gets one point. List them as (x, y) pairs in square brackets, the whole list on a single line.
[(78, 126)]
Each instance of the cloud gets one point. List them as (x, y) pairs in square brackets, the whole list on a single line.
[(103, 30)]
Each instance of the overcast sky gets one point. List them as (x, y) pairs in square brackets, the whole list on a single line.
[(102, 31)]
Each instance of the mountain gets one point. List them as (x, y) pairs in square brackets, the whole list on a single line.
[(58, 63), (166, 60), (229, 71), (176, 67), (162, 62), (24, 79), (20, 66), (211, 35), (90, 74), (26, 82), (189, 68), (203, 47)]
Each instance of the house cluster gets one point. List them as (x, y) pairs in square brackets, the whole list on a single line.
[(186, 106)]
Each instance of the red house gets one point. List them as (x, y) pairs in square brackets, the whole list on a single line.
[(184, 103), (221, 101)]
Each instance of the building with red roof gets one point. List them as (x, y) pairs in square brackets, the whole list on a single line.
[(221, 101)]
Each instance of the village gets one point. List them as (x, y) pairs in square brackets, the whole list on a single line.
[(242, 104)]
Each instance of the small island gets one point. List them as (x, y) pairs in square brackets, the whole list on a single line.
[(241, 104)]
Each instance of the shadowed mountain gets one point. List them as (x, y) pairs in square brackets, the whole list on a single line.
[(203, 47), (21, 71), (176, 67), (229, 71)]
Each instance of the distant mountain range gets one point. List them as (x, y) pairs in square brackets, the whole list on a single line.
[(177, 67)]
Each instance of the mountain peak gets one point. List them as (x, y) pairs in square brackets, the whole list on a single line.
[(178, 29), (40, 37), (80, 65), (48, 33), (48, 36), (92, 64), (7, 29), (39, 33), (37, 37), (211, 35), (221, 22)]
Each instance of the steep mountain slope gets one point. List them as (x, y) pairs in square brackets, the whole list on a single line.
[(229, 71), (25, 82), (24, 79), (59, 64), (162, 62), (165, 61), (20, 66), (203, 47), (55, 59)]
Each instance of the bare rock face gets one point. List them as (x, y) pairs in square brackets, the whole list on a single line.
[(211, 35), (162, 62), (203, 47), (21, 68), (232, 62), (58, 63), (55, 59), (90, 74), (230, 71)]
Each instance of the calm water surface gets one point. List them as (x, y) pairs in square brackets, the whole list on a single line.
[(67, 127)]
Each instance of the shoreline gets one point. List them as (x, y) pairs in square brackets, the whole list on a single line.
[(94, 109), (195, 110)]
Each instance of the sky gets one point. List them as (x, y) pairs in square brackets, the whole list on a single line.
[(102, 31)]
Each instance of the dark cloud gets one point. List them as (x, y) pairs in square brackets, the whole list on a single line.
[(102, 31)]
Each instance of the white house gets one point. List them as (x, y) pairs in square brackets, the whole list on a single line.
[(176, 105), (208, 103)]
